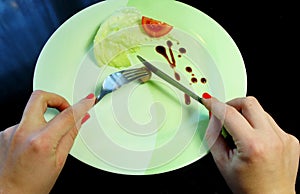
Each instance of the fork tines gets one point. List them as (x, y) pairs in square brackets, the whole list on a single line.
[(137, 73)]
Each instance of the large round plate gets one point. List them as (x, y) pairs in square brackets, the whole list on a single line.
[(139, 130)]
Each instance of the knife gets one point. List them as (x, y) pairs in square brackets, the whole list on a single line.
[(170, 80)]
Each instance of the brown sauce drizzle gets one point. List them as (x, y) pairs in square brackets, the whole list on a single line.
[(177, 76), (162, 50), (172, 62), (187, 99)]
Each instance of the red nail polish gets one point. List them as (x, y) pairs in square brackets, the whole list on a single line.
[(206, 95), (85, 118), (90, 96)]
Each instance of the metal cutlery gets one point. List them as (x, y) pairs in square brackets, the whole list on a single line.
[(116, 80), (170, 80)]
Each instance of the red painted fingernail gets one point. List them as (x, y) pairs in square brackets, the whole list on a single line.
[(206, 95), (209, 114), (90, 96), (85, 118)]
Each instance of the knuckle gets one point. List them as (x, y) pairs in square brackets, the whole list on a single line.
[(37, 145), (38, 93), (294, 139), (230, 111), (294, 142), (18, 135), (69, 115), (250, 101), (256, 151)]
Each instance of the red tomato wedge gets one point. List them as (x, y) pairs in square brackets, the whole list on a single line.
[(155, 28)]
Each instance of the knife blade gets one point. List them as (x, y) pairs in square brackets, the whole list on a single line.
[(169, 79)]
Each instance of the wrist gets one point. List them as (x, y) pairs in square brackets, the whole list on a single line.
[(273, 191), (266, 189)]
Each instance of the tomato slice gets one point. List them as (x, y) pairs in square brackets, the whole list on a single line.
[(155, 28)]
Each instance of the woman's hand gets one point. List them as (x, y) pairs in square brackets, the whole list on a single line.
[(265, 159), (33, 153)]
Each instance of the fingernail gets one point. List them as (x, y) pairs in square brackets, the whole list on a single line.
[(85, 118), (206, 95), (90, 96)]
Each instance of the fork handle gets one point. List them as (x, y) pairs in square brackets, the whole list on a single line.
[(100, 96)]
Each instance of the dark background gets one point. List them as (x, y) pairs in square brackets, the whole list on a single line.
[(265, 34)]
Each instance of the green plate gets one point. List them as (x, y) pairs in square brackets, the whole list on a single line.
[(143, 128)]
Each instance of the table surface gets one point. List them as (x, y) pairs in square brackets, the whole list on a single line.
[(266, 37)]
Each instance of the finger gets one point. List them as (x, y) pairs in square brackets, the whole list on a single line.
[(251, 110), (67, 141), (216, 142), (236, 125), (37, 105), (68, 119), (213, 131), (220, 151)]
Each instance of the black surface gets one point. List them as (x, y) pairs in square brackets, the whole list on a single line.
[(266, 36)]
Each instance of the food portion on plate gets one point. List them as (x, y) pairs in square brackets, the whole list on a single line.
[(127, 31), (123, 33), (155, 28)]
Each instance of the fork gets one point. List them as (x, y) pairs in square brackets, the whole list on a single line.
[(117, 79)]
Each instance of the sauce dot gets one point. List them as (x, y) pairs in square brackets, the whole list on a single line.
[(203, 80), (187, 99), (194, 80), (182, 50), (169, 43), (177, 76), (188, 69)]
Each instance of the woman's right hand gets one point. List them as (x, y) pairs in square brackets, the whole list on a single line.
[(265, 159)]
